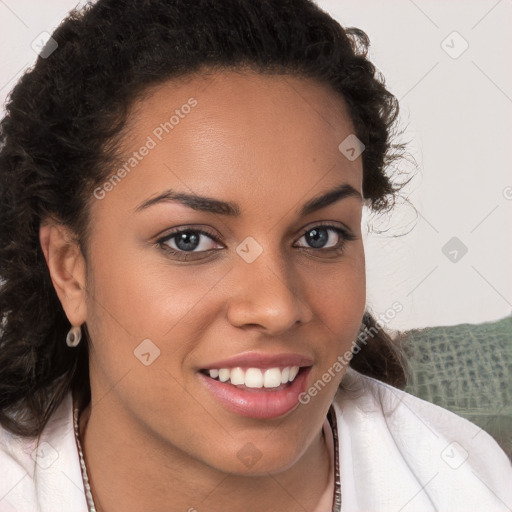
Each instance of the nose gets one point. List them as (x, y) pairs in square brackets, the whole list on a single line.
[(268, 294)]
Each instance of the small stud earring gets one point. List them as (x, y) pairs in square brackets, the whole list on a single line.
[(74, 336)]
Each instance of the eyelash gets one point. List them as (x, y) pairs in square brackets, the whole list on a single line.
[(345, 236)]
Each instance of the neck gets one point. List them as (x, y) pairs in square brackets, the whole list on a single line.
[(128, 475)]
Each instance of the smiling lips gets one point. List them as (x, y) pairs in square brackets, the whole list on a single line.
[(257, 385)]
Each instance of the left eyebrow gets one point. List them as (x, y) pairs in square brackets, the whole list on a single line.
[(210, 205), (341, 192)]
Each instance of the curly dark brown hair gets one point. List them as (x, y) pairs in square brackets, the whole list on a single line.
[(58, 143)]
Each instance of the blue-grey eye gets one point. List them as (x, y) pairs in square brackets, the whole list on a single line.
[(190, 240), (324, 237), (187, 241)]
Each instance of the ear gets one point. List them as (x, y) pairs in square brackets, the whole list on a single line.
[(67, 268)]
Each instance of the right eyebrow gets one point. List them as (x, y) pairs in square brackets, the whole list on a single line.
[(201, 203)]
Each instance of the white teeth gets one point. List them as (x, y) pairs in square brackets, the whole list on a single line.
[(237, 376), (272, 378), (293, 372), (223, 374), (255, 377)]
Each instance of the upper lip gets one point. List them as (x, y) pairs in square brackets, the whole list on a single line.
[(261, 360)]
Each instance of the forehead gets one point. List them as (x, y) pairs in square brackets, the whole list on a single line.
[(244, 97), (237, 134)]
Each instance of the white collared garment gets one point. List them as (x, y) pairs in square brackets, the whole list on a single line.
[(395, 453)]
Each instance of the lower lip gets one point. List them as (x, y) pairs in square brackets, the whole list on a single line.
[(258, 403)]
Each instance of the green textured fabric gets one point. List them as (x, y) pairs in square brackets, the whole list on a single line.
[(467, 369)]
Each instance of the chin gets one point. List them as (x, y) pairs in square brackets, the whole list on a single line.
[(260, 457)]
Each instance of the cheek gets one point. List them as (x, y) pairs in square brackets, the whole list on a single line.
[(138, 297), (340, 300), (338, 293), (144, 323), (144, 293)]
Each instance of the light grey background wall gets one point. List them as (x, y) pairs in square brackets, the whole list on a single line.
[(449, 64)]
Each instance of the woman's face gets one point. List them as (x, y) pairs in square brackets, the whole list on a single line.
[(264, 288)]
